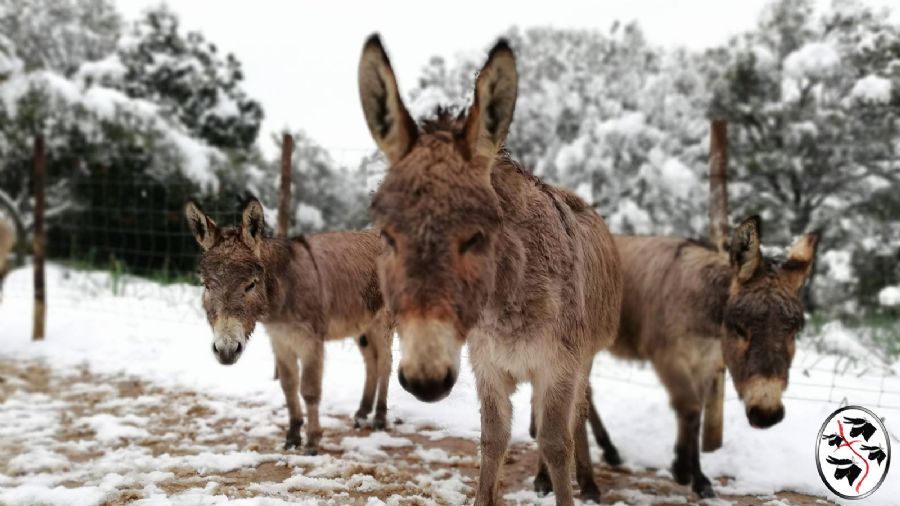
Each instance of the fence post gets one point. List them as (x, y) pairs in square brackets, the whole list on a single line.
[(713, 416), (284, 197), (40, 307)]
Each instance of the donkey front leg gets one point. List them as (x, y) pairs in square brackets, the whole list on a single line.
[(368, 349), (556, 412), (494, 390), (384, 360), (687, 402), (312, 359), (289, 376)]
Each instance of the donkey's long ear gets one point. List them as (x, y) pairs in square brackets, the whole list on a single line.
[(393, 129), (202, 226), (800, 260), (253, 225), (495, 99), (745, 248)]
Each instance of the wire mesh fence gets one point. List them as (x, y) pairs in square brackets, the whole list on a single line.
[(119, 245)]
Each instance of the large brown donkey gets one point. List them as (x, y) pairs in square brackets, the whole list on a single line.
[(480, 252), (305, 291), (688, 307)]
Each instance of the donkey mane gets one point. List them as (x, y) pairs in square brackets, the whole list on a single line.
[(444, 119), (451, 120)]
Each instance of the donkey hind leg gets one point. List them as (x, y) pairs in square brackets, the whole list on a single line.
[(584, 470), (367, 348), (312, 358), (289, 376), (687, 402), (542, 484), (610, 452), (494, 390), (384, 360)]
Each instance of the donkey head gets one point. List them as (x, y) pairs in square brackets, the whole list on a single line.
[(233, 277), (438, 214), (763, 314)]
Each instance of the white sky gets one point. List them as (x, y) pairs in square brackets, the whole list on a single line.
[(300, 58)]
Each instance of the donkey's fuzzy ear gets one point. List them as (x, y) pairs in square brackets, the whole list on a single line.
[(393, 129), (202, 226), (495, 100), (745, 253), (253, 224), (796, 269)]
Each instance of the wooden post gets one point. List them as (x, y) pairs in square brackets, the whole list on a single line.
[(40, 307), (284, 197), (713, 416)]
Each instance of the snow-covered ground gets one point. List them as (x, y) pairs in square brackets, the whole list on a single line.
[(158, 335)]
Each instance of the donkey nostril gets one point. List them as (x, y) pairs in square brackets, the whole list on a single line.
[(240, 348), (402, 379), (449, 379), (214, 349)]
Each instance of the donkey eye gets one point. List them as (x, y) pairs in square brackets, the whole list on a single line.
[(388, 240), (472, 243), (249, 287)]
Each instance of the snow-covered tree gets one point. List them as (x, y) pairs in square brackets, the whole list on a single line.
[(119, 167), (60, 35), (186, 76), (606, 114), (814, 110)]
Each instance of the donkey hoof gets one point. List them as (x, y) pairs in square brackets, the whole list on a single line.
[(310, 451), (612, 457), (542, 485), (293, 443), (379, 423), (359, 422), (681, 473), (590, 492), (704, 488)]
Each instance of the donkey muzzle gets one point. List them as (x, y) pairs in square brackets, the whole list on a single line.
[(760, 418), (762, 398), (227, 354), (228, 343), (430, 355)]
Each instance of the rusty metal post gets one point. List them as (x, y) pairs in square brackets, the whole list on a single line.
[(284, 197), (713, 416), (40, 305)]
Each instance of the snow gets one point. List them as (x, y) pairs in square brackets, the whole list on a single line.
[(110, 428), (225, 107), (159, 334), (838, 265), (814, 60), (38, 460), (110, 67), (45, 496), (308, 217), (872, 88), (678, 178), (629, 217), (889, 296)]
